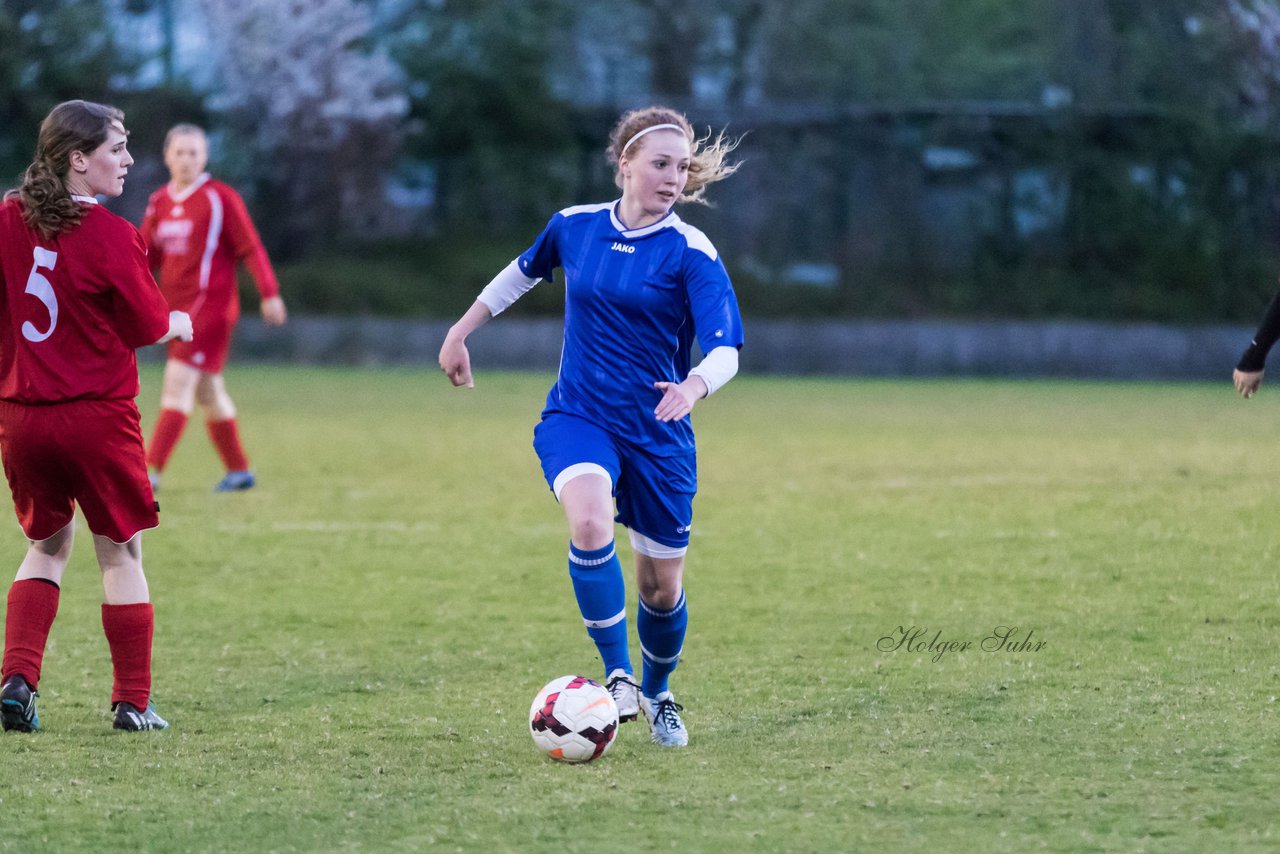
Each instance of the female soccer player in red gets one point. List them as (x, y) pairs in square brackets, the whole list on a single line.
[(76, 300), (197, 230)]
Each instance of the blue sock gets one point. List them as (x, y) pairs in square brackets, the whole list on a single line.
[(602, 599), (661, 639)]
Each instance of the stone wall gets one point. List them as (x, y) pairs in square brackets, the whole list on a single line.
[(872, 348)]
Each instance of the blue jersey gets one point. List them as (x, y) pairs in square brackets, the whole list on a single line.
[(635, 300)]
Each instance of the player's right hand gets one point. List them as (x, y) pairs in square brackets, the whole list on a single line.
[(455, 361), (1247, 382), (179, 327)]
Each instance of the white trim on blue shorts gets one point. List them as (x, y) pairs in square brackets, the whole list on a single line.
[(652, 548), (576, 470)]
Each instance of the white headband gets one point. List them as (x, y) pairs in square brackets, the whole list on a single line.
[(646, 130)]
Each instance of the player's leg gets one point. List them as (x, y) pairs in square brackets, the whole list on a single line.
[(111, 487), (656, 505), (661, 623), (128, 620), (31, 608), (661, 620), (598, 582), (32, 447), (580, 465), (220, 420), (177, 399)]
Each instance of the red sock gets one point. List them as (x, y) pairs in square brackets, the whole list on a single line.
[(33, 603), (226, 439), (128, 629), (169, 427)]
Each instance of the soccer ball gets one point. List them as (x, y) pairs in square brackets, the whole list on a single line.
[(573, 719)]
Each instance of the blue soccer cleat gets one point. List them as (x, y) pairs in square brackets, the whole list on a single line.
[(18, 705), (236, 481)]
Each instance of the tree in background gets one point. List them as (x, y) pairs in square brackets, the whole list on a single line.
[(1256, 24), (501, 142), (52, 51), (1168, 176), (318, 105)]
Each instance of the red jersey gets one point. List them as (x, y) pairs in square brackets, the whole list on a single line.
[(73, 308), (196, 237)]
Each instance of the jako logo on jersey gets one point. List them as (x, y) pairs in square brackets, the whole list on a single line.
[(622, 247), (684, 529)]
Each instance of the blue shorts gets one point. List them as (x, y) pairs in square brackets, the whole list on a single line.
[(653, 495)]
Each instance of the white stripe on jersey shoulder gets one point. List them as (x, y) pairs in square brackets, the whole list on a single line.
[(581, 209), (696, 239), (88, 200), (195, 185)]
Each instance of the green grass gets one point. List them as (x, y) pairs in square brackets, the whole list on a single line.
[(348, 653)]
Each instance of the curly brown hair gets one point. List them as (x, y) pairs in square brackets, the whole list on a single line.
[(71, 126), (708, 156)]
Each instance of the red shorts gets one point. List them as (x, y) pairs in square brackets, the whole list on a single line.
[(88, 451), (210, 343)]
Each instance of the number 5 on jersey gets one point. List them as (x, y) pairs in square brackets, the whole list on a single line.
[(38, 286)]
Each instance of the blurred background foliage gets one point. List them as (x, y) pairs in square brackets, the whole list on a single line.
[(1104, 159)]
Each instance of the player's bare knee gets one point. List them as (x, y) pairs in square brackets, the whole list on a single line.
[(181, 383), (660, 597), (213, 398), (219, 411), (123, 557), (183, 400), (591, 532), (660, 581)]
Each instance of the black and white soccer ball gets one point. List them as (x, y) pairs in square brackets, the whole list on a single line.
[(573, 719)]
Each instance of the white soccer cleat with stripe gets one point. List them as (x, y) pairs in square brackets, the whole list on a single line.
[(626, 694), (663, 714)]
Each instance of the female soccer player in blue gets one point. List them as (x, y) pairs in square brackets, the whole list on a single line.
[(640, 287)]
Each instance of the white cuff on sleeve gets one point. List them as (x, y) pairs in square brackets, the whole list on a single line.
[(506, 287), (717, 368)]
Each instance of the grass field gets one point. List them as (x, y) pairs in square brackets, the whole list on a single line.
[(348, 653)]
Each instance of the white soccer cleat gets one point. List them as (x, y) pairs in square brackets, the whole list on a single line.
[(663, 714), (130, 719), (626, 694)]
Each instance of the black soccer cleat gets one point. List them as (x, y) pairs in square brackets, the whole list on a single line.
[(129, 719), (18, 705)]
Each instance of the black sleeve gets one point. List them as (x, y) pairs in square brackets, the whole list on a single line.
[(1255, 357)]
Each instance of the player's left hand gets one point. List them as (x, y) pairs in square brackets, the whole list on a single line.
[(179, 327), (273, 311), (678, 398), (1247, 382)]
